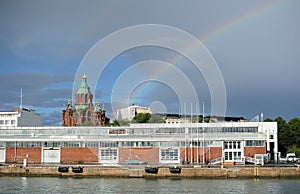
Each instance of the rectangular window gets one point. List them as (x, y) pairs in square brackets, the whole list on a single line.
[(225, 145), (108, 155), (169, 155), (108, 144), (255, 143), (230, 156), (226, 156)]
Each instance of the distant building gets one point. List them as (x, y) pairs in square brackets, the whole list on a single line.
[(83, 113), (20, 117), (177, 118), (130, 112)]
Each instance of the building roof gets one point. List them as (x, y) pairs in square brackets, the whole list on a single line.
[(83, 88)]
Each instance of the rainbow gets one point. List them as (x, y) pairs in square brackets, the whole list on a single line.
[(246, 16)]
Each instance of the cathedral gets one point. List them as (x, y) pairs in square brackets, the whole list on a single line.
[(83, 112)]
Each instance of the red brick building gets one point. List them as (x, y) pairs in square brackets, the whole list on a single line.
[(84, 113)]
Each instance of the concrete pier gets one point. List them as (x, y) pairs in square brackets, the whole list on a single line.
[(139, 172)]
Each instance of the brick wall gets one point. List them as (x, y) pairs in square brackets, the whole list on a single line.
[(251, 151), (210, 153), (150, 155), (79, 155), (34, 155)]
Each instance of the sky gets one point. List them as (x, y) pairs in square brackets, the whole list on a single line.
[(254, 45)]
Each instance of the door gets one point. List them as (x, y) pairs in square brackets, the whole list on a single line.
[(2, 154), (108, 156), (51, 155)]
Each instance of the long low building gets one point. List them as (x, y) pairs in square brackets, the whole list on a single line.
[(184, 143)]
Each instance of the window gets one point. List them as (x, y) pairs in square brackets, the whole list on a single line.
[(91, 144), (232, 151), (255, 143), (109, 154), (108, 144), (169, 155)]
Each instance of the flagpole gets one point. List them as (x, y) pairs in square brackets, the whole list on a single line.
[(203, 134)]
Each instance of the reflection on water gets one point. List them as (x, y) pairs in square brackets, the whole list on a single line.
[(131, 185)]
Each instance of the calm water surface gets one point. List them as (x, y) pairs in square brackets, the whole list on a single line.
[(131, 185)]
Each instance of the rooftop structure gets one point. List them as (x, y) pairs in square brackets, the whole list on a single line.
[(20, 117)]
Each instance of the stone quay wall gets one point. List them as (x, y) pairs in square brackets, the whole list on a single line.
[(139, 172)]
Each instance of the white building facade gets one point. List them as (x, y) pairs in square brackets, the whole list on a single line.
[(20, 118), (186, 143), (130, 112)]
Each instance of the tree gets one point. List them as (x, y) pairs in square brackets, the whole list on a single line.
[(206, 120), (156, 119), (124, 122), (115, 123), (294, 134), (283, 140), (294, 149), (268, 120), (142, 118), (288, 135)]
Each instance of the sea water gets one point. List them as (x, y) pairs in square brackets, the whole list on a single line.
[(141, 185)]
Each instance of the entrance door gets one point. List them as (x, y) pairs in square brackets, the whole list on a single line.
[(233, 151), (51, 155), (169, 155), (2, 154), (108, 156)]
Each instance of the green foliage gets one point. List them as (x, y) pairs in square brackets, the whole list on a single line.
[(115, 123), (206, 120), (288, 135), (268, 120), (124, 122), (156, 119), (294, 149), (142, 118)]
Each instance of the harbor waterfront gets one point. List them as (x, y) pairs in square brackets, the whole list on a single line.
[(134, 185), (141, 171)]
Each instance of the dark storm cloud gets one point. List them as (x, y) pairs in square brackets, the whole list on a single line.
[(39, 90), (256, 47)]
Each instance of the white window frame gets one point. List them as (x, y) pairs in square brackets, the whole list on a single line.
[(234, 152), (111, 155), (169, 155)]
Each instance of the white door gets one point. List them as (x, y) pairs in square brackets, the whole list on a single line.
[(2, 154), (108, 156), (168, 155), (51, 155)]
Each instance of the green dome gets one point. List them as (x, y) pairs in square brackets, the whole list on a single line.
[(97, 107), (83, 88)]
